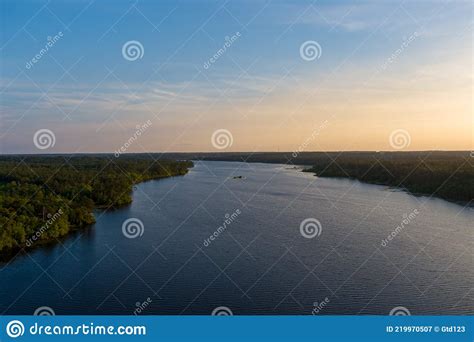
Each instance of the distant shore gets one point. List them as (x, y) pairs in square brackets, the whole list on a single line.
[(443, 174)]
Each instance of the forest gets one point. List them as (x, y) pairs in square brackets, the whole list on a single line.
[(43, 198), (446, 176)]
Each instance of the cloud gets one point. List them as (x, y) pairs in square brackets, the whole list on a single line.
[(334, 16)]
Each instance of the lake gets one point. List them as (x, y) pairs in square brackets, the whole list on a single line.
[(283, 242)]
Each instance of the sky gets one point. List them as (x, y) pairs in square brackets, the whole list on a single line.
[(223, 76)]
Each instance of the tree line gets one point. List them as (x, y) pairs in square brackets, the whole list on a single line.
[(43, 198)]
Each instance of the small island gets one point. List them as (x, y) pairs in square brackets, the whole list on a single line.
[(43, 198)]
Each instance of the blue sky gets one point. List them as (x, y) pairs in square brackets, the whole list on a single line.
[(384, 66)]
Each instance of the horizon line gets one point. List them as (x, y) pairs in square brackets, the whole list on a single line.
[(233, 152)]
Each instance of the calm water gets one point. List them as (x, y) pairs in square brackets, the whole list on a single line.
[(260, 263)]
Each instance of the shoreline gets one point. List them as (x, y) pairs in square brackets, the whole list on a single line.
[(469, 204), (9, 253), (310, 168)]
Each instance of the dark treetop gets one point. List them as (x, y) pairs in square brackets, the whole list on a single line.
[(44, 197)]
